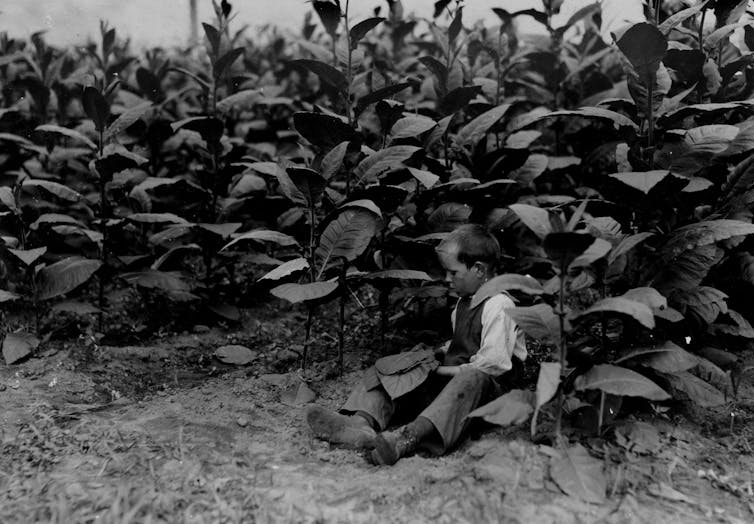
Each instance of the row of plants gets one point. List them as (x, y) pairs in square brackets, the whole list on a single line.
[(617, 175)]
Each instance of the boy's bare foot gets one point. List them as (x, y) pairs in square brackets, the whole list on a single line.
[(350, 431)]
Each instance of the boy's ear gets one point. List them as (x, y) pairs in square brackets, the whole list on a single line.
[(480, 268)]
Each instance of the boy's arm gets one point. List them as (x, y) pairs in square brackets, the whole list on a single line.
[(501, 339)]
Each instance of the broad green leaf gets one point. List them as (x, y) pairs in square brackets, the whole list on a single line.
[(225, 61), (666, 358), (687, 270), (580, 475), (539, 321), (644, 181), (243, 99), (28, 256), (64, 276), (626, 245), (17, 346), (310, 183), (398, 384), (168, 281), (157, 218), (533, 167), (548, 382), (322, 130), (619, 381), (648, 296), (639, 89), (474, 131), (448, 216), (54, 218), (325, 72), (510, 409), (401, 362), (333, 160), (329, 14), (96, 108), (703, 233), (7, 296), (345, 237), (235, 354), (248, 184), (425, 178), (597, 250), (710, 140), (126, 119), (165, 257), (53, 188), (506, 282), (706, 302), (382, 161), (363, 204), (8, 199), (380, 94), (622, 306), (696, 389), (535, 218), (223, 230), (678, 18), (599, 113), (439, 70), (360, 30), (564, 247), (75, 308), (286, 269), (263, 235), (645, 46), (411, 126), (295, 293), (210, 128), (398, 274), (214, 37), (70, 133)]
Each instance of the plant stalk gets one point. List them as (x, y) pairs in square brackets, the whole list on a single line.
[(308, 330), (342, 318), (104, 212), (561, 322)]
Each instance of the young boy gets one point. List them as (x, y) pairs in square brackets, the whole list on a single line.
[(486, 344)]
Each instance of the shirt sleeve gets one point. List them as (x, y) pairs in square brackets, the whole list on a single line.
[(501, 339)]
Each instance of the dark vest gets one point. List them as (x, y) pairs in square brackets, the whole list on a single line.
[(467, 336)]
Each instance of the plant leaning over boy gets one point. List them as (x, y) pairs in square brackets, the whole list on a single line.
[(486, 346)]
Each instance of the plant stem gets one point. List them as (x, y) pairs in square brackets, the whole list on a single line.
[(700, 42), (561, 322), (104, 212), (308, 329), (349, 72), (651, 118), (312, 245), (342, 318), (601, 416)]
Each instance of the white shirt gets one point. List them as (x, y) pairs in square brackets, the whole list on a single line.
[(501, 338)]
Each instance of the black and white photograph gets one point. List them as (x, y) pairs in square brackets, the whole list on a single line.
[(377, 261)]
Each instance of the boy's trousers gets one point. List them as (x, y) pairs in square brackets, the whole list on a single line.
[(444, 401)]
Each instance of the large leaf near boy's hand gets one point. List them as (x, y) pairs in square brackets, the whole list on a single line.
[(580, 475), (402, 362), (620, 381), (345, 237), (399, 382), (508, 410), (64, 276)]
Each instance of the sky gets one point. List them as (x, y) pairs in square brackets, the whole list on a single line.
[(166, 22)]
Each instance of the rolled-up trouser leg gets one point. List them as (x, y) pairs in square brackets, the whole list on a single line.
[(463, 394), (371, 398)]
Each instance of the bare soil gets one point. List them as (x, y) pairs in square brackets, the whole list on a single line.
[(164, 433)]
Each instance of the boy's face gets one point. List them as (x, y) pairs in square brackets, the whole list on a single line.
[(463, 280)]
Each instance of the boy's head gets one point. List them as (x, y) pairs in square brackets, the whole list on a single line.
[(469, 256)]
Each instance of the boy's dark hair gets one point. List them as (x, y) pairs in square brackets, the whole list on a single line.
[(475, 244)]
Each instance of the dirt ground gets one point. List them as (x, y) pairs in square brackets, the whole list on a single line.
[(164, 433)]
